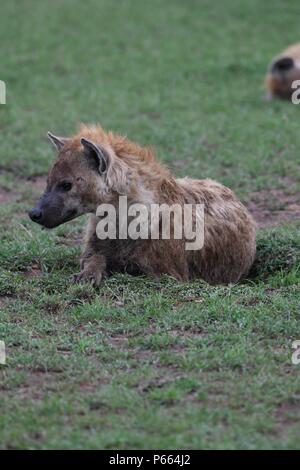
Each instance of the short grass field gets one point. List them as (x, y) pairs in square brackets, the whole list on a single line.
[(140, 362)]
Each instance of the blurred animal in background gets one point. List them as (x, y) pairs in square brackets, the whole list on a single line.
[(283, 71)]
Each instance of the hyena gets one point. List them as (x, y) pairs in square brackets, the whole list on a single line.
[(95, 167), (284, 69)]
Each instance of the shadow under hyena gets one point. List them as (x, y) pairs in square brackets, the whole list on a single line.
[(277, 250)]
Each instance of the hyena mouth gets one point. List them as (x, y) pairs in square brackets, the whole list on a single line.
[(71, 214), (50, 223)]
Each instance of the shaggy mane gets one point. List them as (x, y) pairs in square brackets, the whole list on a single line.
[(119, 143), (140, 158)]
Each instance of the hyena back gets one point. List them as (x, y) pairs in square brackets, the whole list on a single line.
[(94, 167)]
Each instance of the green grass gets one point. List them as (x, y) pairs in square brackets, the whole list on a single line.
[(143, 363)]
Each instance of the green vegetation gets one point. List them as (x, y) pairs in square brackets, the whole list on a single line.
[(144, 363)]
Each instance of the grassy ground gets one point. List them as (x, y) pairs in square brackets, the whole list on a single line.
[(143, 363)]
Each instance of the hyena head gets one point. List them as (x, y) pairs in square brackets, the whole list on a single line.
[(84, 175), (283, 71)]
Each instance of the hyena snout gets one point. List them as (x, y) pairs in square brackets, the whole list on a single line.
[(35, 214), (50, 211)]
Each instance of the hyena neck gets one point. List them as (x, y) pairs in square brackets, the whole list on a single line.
[(142, 193), (141, 180), (152, 188)]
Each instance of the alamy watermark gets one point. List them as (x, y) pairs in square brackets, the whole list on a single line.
[(153, 221), (2, 92), (296, 353), (296, 93), (2, 353)]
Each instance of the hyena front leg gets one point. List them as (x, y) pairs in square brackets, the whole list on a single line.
[(93, 268), (92, 263)]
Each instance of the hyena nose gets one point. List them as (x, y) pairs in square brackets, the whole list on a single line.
[(35, 214), (283, 65)]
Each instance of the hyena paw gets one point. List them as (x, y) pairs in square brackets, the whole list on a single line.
[(92, 277)]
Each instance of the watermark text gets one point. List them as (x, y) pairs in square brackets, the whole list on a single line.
[(154, 221), (2, 353), (2, 92)]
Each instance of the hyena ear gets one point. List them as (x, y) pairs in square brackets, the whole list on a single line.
[(58, 142), (97, 155)]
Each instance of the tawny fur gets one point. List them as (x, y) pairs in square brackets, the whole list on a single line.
[(278, 82), (229, 231)]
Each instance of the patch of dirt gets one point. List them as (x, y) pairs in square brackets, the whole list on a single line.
[(287, 415), (159, 382), (7, 196), (33, 271), (36, 384), (38, 183), (274, 207), (118, 340)]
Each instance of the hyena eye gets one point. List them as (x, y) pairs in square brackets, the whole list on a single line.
[(65, 186)]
